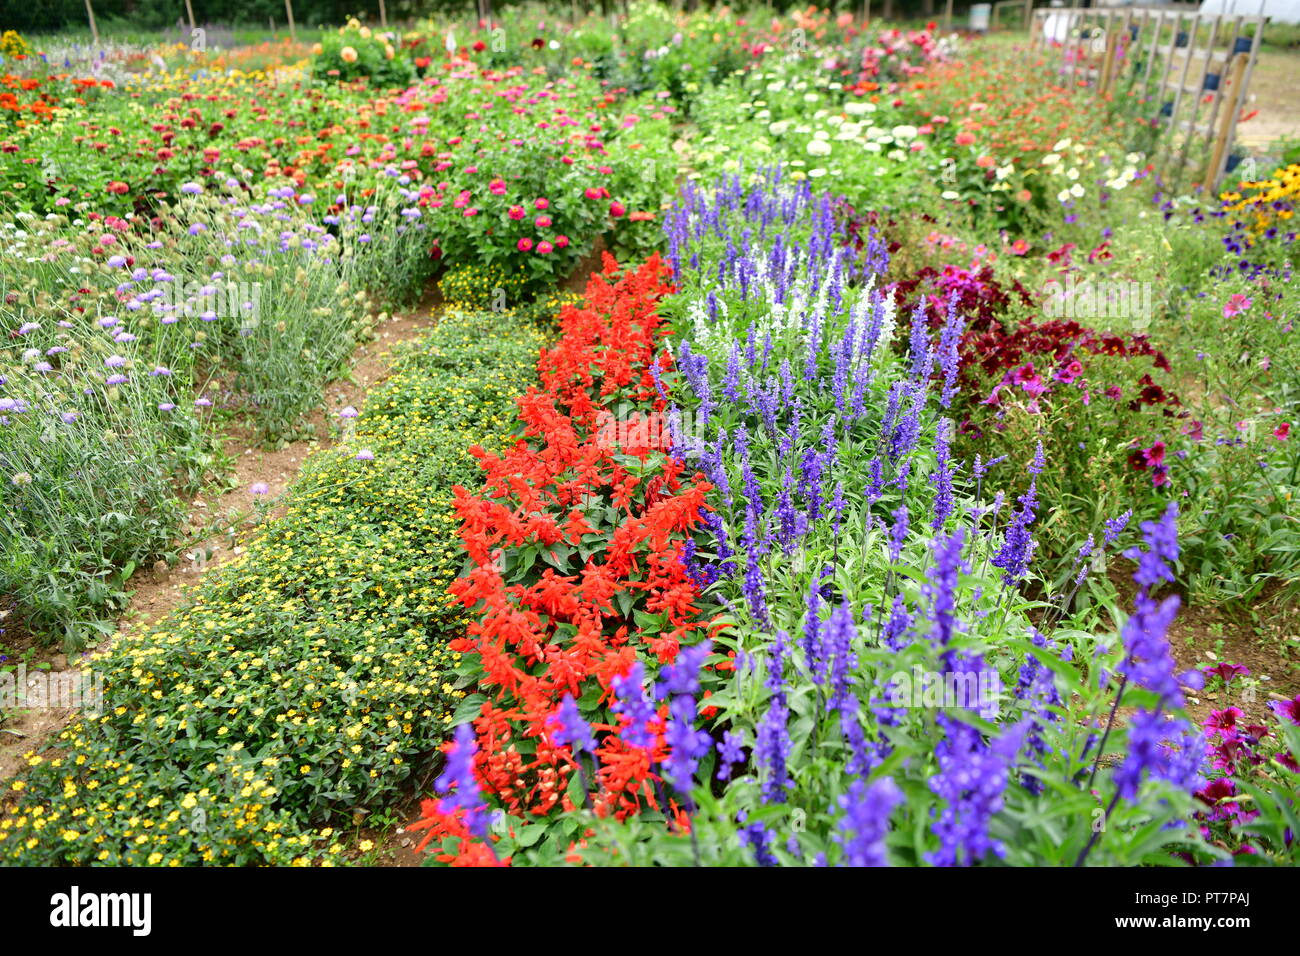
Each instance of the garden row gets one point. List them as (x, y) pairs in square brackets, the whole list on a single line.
[(738, 602), (312, 674)]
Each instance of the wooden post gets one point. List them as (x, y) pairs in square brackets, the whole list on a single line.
[(1239, 100), (1029, 14), (1227, 121), (1151, 54), (1212, 124), (947, 16), (866, 11), (1108, 60), (383, 15), (189, 12), (288, 12), (94, 30)]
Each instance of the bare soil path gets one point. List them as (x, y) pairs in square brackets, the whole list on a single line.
[(1272, 92)]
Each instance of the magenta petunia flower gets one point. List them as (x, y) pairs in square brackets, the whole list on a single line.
[(1288, 709), (1236, 303), (1226, 671)]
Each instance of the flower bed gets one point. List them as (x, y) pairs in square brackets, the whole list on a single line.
[(811, 721), (312, 671)]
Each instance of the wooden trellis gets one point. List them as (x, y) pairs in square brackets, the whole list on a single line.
[(1189, 70)]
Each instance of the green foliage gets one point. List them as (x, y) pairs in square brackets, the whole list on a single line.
[(311, 673), (355, 52)]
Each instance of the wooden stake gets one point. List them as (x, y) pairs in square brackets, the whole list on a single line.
[(94, 30), (947, 16), (1108, 60), (288, 12), (1227, 121), (383, 15)]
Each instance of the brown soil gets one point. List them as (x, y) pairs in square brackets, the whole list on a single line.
[(1265, 639), (1272, 92), (1270, 649)]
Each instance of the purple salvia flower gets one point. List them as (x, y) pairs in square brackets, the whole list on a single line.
[(772, 751), (971, 780), (941, 586), (921, 352), (569, 729), (759, 839), (1162, 550), (866, 821), (1115, 527), (840, 631), (1039, 462), (813, 651), (686, 744), (682, 676), (898, 534), (949, 359), (730, 753), (460, 787), (772, 747), (897, 625), (1017, 542), (941, 478), (637, 710)]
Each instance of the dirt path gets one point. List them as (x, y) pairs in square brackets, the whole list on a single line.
[(1269, 647), (159, 590), (1272, 93)]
